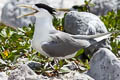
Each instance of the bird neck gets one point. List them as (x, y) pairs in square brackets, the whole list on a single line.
[(44, 23), (43, 26)]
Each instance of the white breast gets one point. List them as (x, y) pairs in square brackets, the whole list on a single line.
[(36, 44), (43, 26)]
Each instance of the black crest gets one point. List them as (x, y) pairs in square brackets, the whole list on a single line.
[(48, 8)]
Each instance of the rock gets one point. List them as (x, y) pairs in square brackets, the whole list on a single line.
[(85, 23), (21, 61), (3, 76), (119, 52), (103, 6), (73, 75), (10, 11), (9, 15), (2, 3), (104, 65), (34, 65), (23, 73), (2, 62)]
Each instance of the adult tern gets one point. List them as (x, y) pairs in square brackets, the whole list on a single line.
[(53, 43)]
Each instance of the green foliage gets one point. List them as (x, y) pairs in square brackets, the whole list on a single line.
[(112, 23), (59, 23), (85, 7), (15, 42), (79, 52), (112, 20)]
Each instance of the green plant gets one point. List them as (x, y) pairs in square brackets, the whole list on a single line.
[(85, 7), (112, 23), (15, 43)]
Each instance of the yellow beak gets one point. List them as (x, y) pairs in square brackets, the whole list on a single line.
[(35, 10), (28, 14)]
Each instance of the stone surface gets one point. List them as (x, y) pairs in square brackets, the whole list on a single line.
[(104, 65), (23, 72), (85, 23), (73, 75), (2, 3), (3, 76), (10, 11), (103, 6), (34, 65), (2, 62)]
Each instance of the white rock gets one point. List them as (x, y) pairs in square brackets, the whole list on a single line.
[(3, 76), (2, 62), (74, 75), (104, 65), (23, 73), (22, 61), (2, 3)]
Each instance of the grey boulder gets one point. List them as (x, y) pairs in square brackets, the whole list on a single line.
[(23, 72), (2, 3), (104, 65), (10, 12), (103, 6), (85, 23)]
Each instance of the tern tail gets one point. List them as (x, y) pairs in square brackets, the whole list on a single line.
[(97, 37), (102, 36)]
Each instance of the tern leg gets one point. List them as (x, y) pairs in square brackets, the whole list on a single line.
[(55, 63)]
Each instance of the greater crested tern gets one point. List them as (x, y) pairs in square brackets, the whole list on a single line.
[(53, 43)]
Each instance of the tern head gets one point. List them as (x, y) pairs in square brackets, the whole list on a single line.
[(39, 9)]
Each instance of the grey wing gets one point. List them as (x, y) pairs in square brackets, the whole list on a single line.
[(62, 44)]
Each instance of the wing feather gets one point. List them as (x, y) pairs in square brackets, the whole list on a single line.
[(62, 44)]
